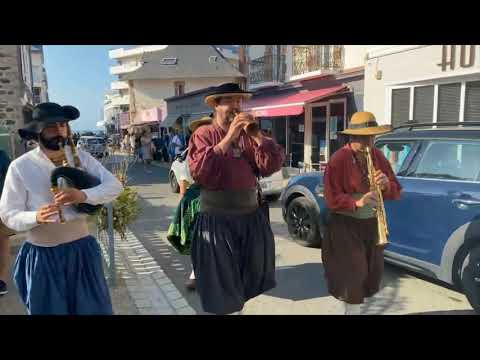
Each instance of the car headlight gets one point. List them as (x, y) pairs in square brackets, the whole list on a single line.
[(319, 190)]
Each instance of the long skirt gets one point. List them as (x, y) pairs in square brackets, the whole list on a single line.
[(353, 263), (67, 279), (233, 259)]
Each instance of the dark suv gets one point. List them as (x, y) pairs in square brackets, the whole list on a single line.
[(435, 226)]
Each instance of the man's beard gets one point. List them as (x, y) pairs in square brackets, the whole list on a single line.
[(53, 143), (230, 115)]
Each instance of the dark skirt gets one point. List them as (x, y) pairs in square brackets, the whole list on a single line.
[(67, 279), (353, 263), (233, 258)]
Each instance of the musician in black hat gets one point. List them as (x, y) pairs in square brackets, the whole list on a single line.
[(59, 268), (233, 249)]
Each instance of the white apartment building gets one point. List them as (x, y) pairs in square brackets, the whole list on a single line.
[(40, 84)]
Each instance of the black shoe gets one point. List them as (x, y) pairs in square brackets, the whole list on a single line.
[(3, 288), (190, 284)]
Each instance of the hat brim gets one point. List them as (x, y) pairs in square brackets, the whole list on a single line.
[(210, 99), (368, 131), (194, 125)]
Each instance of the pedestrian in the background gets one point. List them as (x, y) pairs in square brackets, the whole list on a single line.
[(179, 229), (177, 144), (352, 259), (147, 150), (5, 232), (233, 248)]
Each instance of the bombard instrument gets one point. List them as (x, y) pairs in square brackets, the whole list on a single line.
[(252, 128), (70, 174), (380, 208)]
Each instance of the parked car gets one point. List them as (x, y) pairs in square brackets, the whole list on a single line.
[(95, 145), (272, 186), (435, 226)]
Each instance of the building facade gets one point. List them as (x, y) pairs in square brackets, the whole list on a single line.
[(16, 98), (40, 84), (423, 83), (304, 94), (148, 75)]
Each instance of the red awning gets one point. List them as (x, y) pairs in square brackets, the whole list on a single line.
[(288, 104)]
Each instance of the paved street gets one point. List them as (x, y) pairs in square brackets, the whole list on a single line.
[(301, 288)]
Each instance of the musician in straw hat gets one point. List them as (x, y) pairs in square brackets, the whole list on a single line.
[(233, 250), (58, 270), (352, 259)]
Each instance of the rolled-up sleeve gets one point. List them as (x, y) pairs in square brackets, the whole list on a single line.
[(110, 186), (206, 162), (269, 157), (13, 203)]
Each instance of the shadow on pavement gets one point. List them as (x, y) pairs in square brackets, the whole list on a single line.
[(300, 282), (446, 312)]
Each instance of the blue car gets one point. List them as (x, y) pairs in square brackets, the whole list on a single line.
[(435, 226)]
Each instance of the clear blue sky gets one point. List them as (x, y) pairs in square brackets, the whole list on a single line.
[(79, 75)]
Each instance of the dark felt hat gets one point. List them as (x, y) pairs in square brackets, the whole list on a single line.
[(228, 89), (45, 114)]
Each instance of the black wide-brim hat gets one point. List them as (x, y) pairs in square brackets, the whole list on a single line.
[(224, 90), (45, 114)]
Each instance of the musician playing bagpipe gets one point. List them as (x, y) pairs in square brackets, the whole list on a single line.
[(59, 268)]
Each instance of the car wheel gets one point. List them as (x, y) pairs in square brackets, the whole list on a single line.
[(302, 222), (469, 270), (174, 183)]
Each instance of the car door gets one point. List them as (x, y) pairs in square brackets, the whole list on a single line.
[(441, 192)]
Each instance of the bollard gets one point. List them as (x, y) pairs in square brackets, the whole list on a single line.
[(111, 243)]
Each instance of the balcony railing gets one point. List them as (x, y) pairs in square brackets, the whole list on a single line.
[(267, 69), (308, 58)]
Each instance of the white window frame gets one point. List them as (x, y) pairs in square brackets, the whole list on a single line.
[(463, 83)]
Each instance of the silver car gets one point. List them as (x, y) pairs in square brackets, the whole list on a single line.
[(95, 145)]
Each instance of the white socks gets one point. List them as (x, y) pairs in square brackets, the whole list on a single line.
[(352, 309)]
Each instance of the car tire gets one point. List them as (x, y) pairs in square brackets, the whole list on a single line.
[(302, 222), (468, 269), (174, 183)]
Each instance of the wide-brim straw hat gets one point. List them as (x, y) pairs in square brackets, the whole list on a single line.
[(226, 90), (364, 123), (195, 124)]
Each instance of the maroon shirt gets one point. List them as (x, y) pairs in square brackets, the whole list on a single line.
[(213, 170), (343, 177)]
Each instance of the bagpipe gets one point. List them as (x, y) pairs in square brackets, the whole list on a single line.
[(70, 175)]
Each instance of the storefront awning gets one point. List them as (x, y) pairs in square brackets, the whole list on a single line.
[(288, 104)]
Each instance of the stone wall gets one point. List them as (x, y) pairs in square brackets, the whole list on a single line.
[(12, 91)]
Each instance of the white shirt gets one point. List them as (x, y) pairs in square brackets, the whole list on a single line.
[(27, 188), (176, 141), (184, 172)]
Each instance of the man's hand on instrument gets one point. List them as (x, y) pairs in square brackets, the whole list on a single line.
[(381, 180), (368, 199), (69, 197), (45, 213)]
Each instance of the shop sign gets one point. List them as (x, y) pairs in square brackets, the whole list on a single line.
[(467, 56)]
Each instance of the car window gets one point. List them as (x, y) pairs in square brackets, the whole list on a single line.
[(396, 153), (450, 160)]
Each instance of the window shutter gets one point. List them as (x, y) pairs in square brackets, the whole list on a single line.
[(472, 101), (423, 104), (449, 102), (400, 106)]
